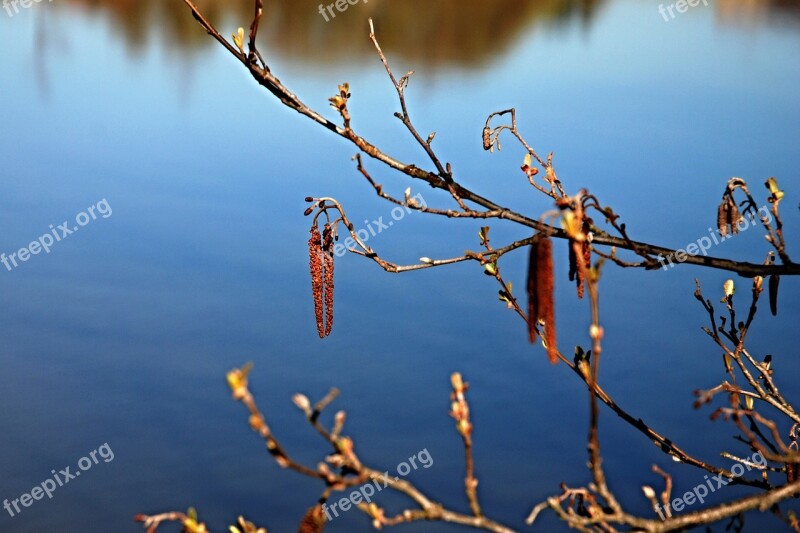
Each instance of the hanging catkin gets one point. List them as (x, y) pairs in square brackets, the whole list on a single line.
[(533, 306), (317, 281), (586, 248), (545, 287), (540, 287), (327, 253)]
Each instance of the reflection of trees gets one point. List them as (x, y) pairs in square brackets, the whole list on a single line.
[(756, 11), (433, 31)]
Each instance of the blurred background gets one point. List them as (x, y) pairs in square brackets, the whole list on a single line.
[(124, 332)]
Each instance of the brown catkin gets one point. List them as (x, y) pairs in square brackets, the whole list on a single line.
[(327, 249), (313, 521), (315, 265), (723, 212), (586, 248), (774, 281), (487, 140), (545, 287), (584, 259), (531, 290)]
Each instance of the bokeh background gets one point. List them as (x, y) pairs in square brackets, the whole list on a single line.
[(124, 332)]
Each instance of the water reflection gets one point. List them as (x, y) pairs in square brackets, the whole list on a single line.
[(444, 31), (758, 12), (466, 34)]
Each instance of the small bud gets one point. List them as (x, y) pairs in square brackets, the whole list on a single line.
[(457, 381), (728, 288), (238, 39), (748, 401), (309, 198), (340, 417), (302, 402), (308, 211), (772, 185)]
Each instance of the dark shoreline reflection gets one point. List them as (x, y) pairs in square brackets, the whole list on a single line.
[(458, 32), (463, 33)]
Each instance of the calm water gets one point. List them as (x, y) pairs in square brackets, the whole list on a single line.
[(122, 334)]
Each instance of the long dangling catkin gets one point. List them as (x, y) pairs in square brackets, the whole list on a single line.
[(327, 252), (315, 265), (533, 305), (576, 264), (586, 248), (545, 287), (584, 259)]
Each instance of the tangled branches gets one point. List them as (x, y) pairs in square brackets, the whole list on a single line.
[(593, 231), (343, 469)]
